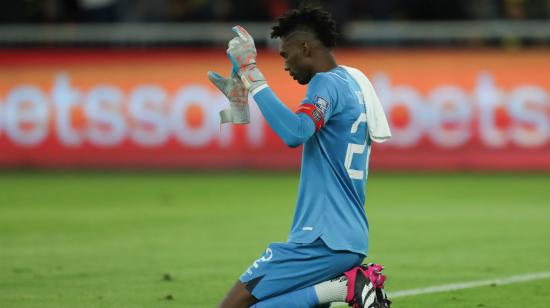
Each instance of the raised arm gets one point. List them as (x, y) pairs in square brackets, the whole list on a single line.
[(294, 129)]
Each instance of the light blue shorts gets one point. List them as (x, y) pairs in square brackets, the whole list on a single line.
[(286, 267)]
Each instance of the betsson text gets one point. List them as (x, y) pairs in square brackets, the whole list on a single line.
[(448, 115)]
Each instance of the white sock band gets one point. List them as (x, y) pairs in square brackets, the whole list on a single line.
[(334, 290)]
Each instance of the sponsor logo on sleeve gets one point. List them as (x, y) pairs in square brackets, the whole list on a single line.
[(317, 115), (321, 105)]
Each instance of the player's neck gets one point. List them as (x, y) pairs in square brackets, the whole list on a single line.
[(325, 64)]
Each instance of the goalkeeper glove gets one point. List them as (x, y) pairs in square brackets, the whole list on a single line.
[(235, 91), (242, 53)]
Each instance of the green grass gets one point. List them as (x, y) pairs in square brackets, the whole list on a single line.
[(106, 239)]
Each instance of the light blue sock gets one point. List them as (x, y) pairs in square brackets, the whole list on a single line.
[(304, 298)]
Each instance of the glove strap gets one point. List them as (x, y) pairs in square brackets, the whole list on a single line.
[(252, 78), (237, 113), (226, 116)]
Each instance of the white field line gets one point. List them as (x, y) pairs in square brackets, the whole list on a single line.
[(471, 284), (468, 285)]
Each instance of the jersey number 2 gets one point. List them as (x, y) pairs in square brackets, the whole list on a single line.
[(354, 148)]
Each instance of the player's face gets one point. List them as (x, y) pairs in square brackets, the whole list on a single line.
[(297, 64)]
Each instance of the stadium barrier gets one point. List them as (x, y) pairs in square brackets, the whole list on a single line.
[(449, 110)]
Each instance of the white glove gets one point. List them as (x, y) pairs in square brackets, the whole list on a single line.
[(236, 93), (242, 53)]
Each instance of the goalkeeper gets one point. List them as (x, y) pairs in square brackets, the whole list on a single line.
[(321, 262)]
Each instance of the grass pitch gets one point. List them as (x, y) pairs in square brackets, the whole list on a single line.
[(182, 239)]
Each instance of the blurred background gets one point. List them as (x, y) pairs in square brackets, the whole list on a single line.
[(372, 22), (119, 83), (77, 11)]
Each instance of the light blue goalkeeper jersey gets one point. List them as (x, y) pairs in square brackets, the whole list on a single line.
[(331, 124)]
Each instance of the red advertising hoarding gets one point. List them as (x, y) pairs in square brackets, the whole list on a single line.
[(448, 110)]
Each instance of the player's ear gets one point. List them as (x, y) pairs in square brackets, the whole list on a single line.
[(305, 48)]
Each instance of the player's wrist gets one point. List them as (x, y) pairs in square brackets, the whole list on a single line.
[(252, 78)]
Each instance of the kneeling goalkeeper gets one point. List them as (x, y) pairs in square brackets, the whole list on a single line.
[(321, 262)]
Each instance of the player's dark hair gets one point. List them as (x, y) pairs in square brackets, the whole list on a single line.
[(313, 19)]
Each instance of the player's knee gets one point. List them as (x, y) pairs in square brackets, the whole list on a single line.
[(237, 297), (237, 302)]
